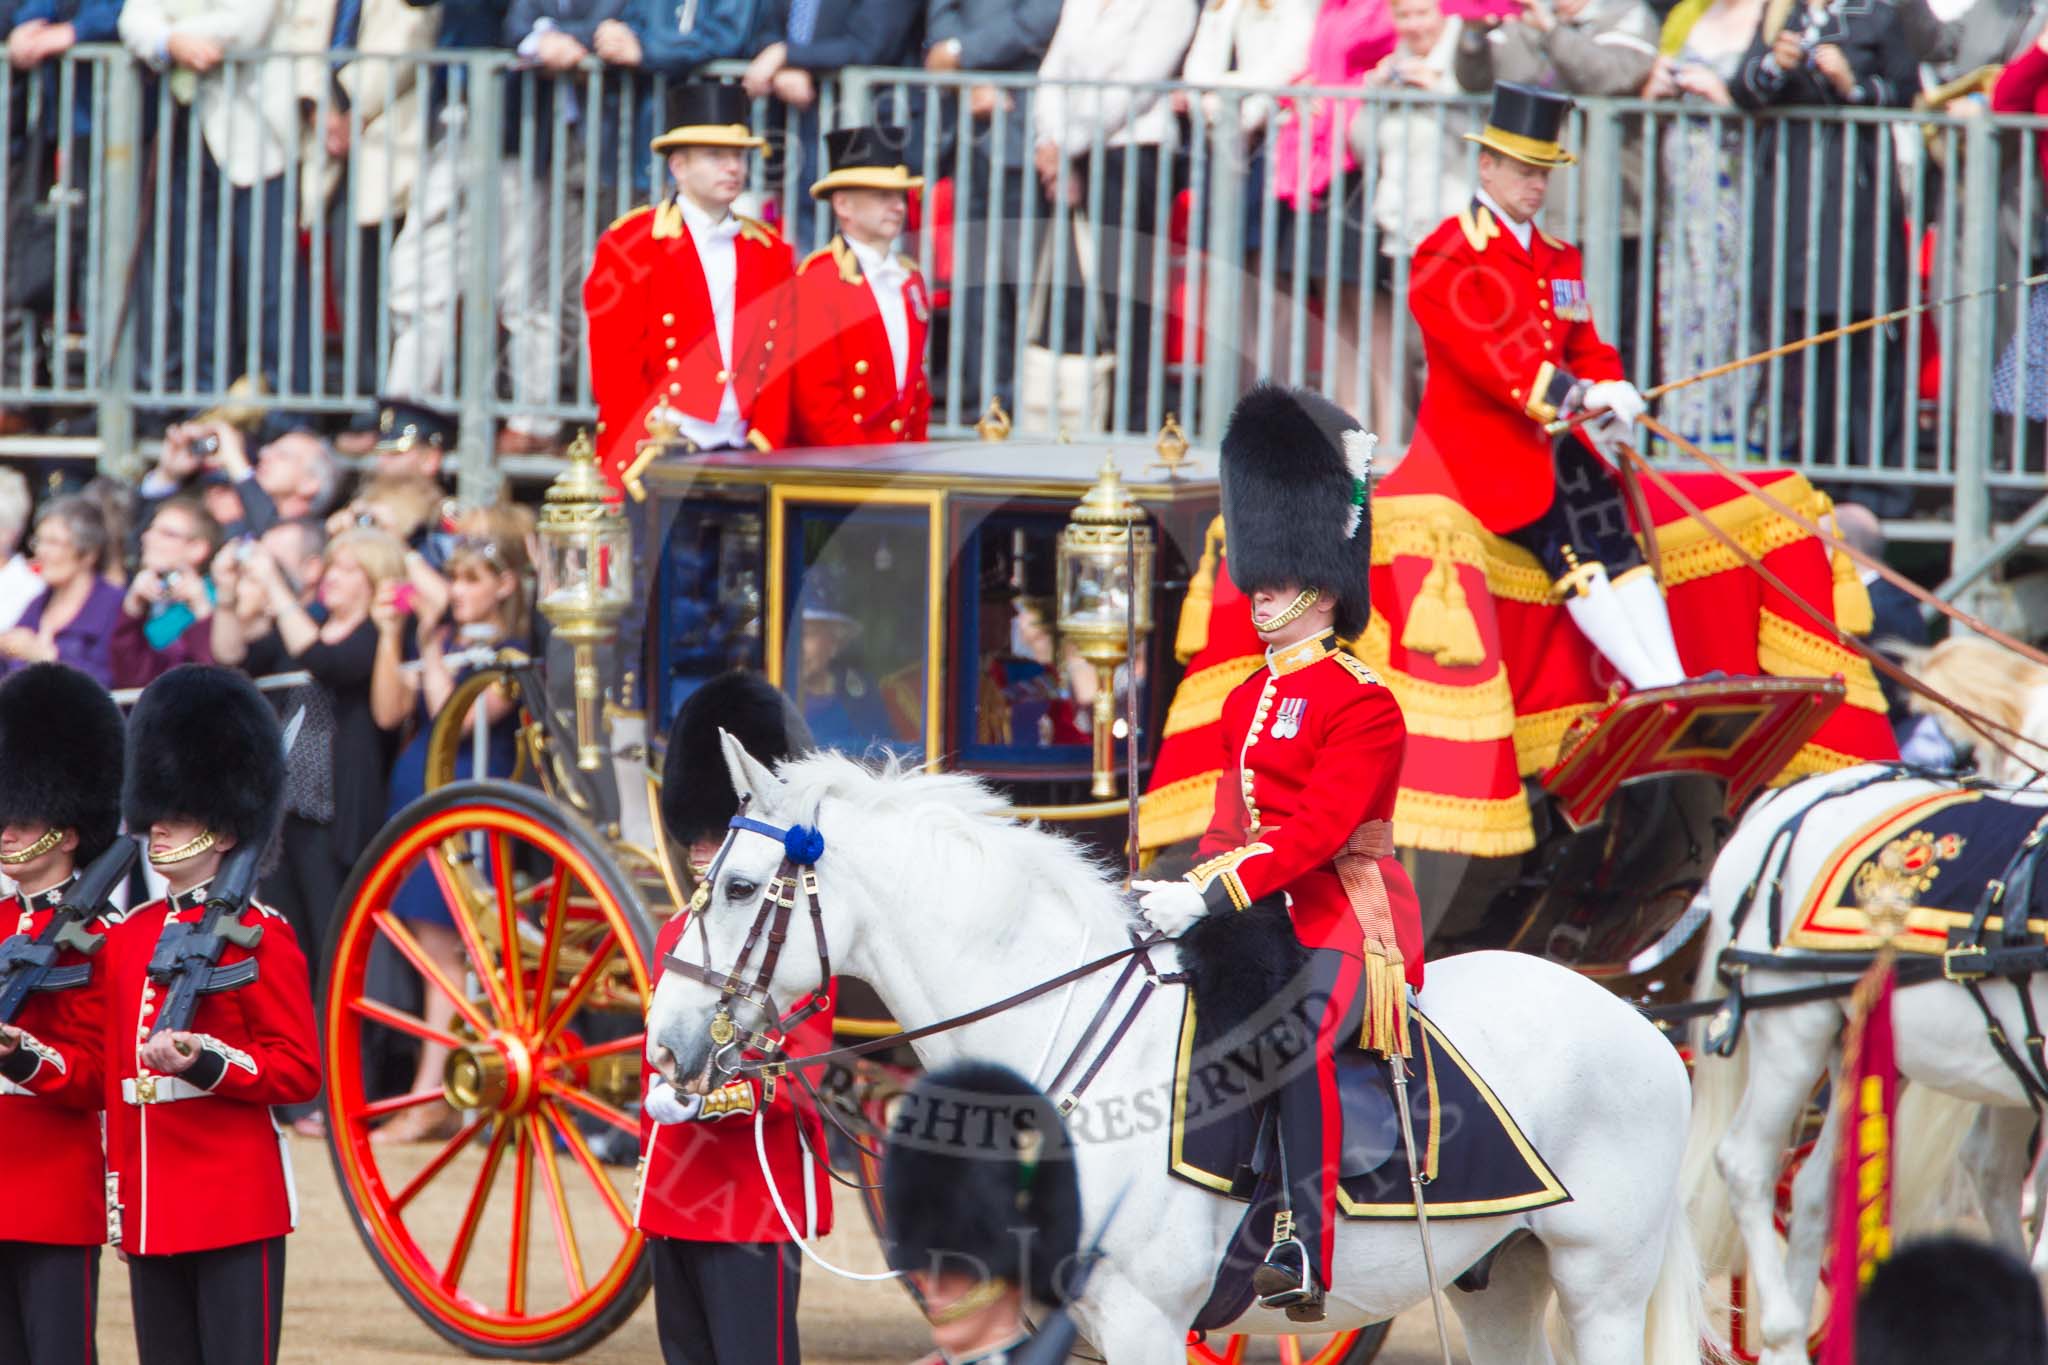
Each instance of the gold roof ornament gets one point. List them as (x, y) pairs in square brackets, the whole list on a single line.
[(995, 422), (1172, 446)]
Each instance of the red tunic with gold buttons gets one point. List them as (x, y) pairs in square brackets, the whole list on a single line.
[(845, 385), (700, 1180), (654, 336), (50, 1097), (201, 1165), (1315, 745), (1507, 332)]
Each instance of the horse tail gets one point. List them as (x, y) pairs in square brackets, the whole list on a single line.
[(1674, 1324), (1717, 1084), (1931, 1190)]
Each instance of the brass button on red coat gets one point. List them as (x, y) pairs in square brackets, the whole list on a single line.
[(860, 367), (724, 375), (860, 391)]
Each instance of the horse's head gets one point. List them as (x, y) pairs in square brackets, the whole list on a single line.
[(729, 935)]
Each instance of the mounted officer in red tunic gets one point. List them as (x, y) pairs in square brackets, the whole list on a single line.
[(1305, 803), (60, 808), (726, 1271), (862, 310), (1508, 332), (200, 1188)]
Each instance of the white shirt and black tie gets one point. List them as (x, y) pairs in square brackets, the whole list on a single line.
[(716, 253)]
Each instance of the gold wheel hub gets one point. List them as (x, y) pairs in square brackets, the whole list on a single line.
[(496, 1073)]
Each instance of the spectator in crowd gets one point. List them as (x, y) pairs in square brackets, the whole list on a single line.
[(675, 40), (1699, 246), (1422, 181), (1582, 47), (166, 614), (335, 792), (72, 621), (1898, 632), (424, 272), (1094, 139), (1815, 55), (541, 222), (1350, 39), (1249, 46), (236, 118), (989, 35), (198, 457), (299, 548), (2022, 88), (1951, 1299), (412, 439), (115, 502), (819, 38), (487, 608), (47, 184), (19, 582), (862, 310)]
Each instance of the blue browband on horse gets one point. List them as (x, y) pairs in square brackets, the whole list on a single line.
[(802, 844)]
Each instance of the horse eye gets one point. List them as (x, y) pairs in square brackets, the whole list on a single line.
[(738, 889)]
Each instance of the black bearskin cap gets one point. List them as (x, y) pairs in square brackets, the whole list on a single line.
[(979, 1176), (60, 755), (204, 745), (697, 799), (1292, 463)]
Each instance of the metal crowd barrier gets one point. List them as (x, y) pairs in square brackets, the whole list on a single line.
[(441, 251)]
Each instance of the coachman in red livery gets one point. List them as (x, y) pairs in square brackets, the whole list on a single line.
[(1508, 331), (726, 1272), (862, 310), (1305, 801), (689, 304), (200, 1184), (60, 807)]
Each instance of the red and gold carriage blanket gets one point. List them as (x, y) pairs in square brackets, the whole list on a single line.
[(1929, 860), (1490, 672)]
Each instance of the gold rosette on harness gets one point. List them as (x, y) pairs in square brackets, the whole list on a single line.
[(1386, 979)]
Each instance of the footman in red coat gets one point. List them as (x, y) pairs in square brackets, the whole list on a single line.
[(1508, 330), (861, 307), (1305, 802), (200, 1182), (726, 1270), (60, 807)]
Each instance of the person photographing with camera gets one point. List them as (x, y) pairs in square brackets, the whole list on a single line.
[(167, 611)]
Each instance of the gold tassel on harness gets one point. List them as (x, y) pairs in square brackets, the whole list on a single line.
[(1440, 621), (1852, 598), (1385, 1030), (1193, 635)]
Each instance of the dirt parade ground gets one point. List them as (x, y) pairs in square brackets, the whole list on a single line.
[(339, 1310)]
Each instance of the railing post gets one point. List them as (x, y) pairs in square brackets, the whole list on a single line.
[(856, 96), (1222, 309), (1599, 232), (478, 478), (1978, 229), (119, 207)]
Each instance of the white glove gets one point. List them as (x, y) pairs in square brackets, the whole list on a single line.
[(664, 1105), (1169, 907), (1620, 399)]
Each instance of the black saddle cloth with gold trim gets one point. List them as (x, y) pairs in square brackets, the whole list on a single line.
[(1242, 1033)]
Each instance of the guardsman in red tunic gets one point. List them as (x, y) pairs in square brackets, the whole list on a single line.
[(60, 807), (200, 1183), (861, 308), (981, 1212), (689, 304), (1305, 802), (1508, 332), (726, 1271)]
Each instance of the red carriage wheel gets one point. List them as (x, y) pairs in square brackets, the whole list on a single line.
[(543, 1061), (1343, 1348)]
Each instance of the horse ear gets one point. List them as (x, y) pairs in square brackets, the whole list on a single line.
[(749, 777)]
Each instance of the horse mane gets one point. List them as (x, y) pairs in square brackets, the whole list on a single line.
[(1986, 678), (955, 811)]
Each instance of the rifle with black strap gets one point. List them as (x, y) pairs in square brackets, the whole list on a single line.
[(29, 964), (186, 964)]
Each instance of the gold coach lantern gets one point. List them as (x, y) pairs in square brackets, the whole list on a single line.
[(587, 579), (1105, 599)]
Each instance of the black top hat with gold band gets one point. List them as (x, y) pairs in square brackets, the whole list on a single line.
[(707, 114), (869, 158), (1524, 123), (403, 424)]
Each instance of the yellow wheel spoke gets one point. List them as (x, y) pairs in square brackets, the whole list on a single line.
[(542, 1139)]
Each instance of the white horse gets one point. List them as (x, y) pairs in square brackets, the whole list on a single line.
[(1745, 1106), (942, 904)]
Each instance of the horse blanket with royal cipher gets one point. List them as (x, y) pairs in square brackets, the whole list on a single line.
[(1923, 864)]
